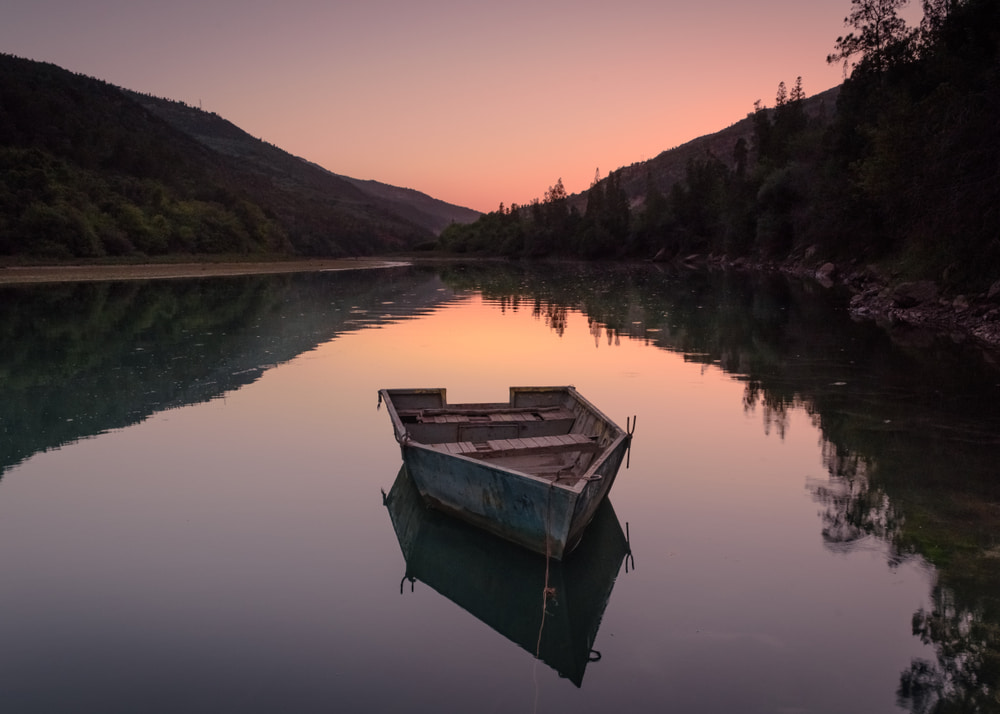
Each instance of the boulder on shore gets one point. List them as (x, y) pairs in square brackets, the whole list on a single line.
[(920, 292), (825, 274)]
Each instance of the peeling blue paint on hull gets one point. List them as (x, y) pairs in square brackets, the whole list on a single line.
[(530, 485)]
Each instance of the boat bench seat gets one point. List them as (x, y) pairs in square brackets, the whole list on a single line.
[(521, 447), (477, 416)]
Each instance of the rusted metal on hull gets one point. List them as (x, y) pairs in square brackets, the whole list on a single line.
[(534, 473)]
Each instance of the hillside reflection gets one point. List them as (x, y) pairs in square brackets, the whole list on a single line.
[(910, 422), (80, 359)]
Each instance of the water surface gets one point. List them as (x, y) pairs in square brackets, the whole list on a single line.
[(192, 514)]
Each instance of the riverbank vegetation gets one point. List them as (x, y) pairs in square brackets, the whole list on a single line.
[(903, 174)]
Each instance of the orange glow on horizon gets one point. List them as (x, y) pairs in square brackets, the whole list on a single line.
[(488, 349), (469, 103)]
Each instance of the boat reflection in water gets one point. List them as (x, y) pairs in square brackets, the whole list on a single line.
[(503, 584)]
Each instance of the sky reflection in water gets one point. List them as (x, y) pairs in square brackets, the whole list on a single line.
[(231, 551)]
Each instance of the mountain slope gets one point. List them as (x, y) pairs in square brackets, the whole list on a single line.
[(88, 170), (265, 159), (670, 166), (432, 213)]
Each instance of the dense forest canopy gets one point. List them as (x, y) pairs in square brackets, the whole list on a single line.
[(903, 174)]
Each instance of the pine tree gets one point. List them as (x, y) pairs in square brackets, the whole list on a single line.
[(798, 94), (879, 29), (595, 199)]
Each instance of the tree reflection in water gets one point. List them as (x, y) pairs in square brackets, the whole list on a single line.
[(910, 423), (855, 508), (910, 426), (83, 358)]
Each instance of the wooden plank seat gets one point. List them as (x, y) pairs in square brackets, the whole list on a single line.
[(467, 416), (520, 447)]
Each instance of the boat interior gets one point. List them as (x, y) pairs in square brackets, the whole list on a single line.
[(547, 433)]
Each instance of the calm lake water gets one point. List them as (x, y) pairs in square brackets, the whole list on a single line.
[(192, 515)]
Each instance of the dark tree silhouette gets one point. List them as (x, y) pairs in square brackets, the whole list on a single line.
[(878, 28)]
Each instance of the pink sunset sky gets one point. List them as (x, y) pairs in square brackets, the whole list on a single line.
[(471, 102)]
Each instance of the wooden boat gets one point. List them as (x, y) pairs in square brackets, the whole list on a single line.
[(501, 584), (532, 470)]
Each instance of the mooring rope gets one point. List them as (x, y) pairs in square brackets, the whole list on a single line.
[(546, 590)]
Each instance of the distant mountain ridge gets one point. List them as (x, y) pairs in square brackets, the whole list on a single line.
[(418, 207), (669, 167), (228, 139), (90, 170)]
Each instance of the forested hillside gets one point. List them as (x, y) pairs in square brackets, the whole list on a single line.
[(259, 157), (904, 172), (89, 171)]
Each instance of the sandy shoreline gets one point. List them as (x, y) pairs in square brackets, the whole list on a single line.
[(11, 275)]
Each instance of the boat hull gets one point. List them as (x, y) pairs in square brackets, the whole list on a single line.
[(526, 510), (541, 514)]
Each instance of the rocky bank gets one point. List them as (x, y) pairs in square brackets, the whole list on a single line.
[(896, 304)]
